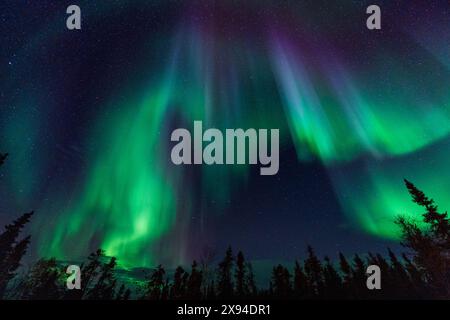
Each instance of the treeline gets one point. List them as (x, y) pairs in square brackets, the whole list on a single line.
[(421, 273), (310, 279)]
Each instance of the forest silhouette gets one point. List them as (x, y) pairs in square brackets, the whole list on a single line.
[(422, 272)]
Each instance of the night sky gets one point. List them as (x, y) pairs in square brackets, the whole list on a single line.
[(86, 117)]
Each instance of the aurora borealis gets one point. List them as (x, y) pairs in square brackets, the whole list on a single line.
[(87, 115)]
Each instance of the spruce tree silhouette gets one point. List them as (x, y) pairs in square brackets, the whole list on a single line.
[(211, 292), (104, 288), (332, 280), (301, 286), (313, 270), (359, 278), (347, 272), (43, 281), (12, 250), (155, 284), (281, 282), (165, 290), (439, 222), (240, 276), (389, 283), (398, 278), (194, 283), (251, 285), (420, 287), (224, 281), (430, 243), (90, 272), (178, 289)]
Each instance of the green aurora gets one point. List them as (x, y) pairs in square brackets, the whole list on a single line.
[(371, 123)]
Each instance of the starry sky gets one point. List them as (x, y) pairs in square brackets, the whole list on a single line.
[(86, 117)]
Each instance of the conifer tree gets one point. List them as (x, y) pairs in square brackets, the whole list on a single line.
[(398, 277), (155, 284), (388, 281), (224, 281), (313, 270), (359, 278), (251, 285), (211, 293), (281, 282), (301, 286), (12, 250), (89, 272), (439, 222), (332, 280), (240, 275), (194, 283), (165, 290), (416, 277), (430, 244), (178, 289), (345, 268), (43, 282), (104, 288)]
